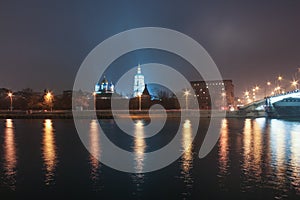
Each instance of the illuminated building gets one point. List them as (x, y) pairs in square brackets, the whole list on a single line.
[(223, 89), (104, 87), (139, 83)]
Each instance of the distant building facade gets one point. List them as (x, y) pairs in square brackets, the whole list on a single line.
[(139, 83), (223, 90)]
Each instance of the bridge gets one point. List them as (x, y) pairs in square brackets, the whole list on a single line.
[(264, 107)]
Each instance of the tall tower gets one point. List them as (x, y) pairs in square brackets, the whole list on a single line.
[(139, 82)]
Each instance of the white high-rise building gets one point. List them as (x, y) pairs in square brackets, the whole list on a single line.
[(139, 82)]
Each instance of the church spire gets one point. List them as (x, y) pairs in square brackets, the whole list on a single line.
[(139, 71), (139, 82)]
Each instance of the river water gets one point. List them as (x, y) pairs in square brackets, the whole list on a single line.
[(253, 159)]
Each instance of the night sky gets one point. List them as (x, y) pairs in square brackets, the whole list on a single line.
[(43, 43)]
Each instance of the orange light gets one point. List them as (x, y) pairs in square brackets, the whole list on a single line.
[(186, 93), (294, 83)]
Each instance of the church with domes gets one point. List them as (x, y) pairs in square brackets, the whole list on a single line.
[(104, 87)]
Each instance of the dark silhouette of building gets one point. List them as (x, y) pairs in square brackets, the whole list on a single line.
[(142, 102)]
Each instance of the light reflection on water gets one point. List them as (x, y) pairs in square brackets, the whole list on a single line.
[(10, 155), (224, 148), (95, 152), (278, 151), (49, 152), (295, 156), (270, 155), (186, 160), (252, 152), (223, 152), (252, 155), (285, 151), (139, 147)]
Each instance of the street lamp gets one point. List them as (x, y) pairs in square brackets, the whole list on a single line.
[(49, 98), (186, 94), (94, 96), (278, 90), (268, 85), (295, 84), (279, 83), (253, 93), (10, 95), (256, 89), (140, 102)]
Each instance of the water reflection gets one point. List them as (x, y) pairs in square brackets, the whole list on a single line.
[(295, 156), (285, 151), (49, 152), (252, 152), (271, 153), (95, 151), (278, 148), (139, 147), (187, 157), (10, 156), (224, 148)]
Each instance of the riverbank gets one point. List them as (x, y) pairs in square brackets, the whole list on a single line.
[(106, 114)]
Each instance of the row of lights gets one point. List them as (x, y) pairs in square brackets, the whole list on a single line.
[(277, 90), (48, 97)]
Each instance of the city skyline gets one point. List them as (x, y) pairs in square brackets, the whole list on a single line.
[(250, 43)]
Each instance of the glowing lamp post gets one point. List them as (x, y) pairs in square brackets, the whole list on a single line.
[(223, 98), (140, 102), (94, 96), (295, 84), (186, 94), (49, 98), (279, 84), (268, 85), (10, 95)]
